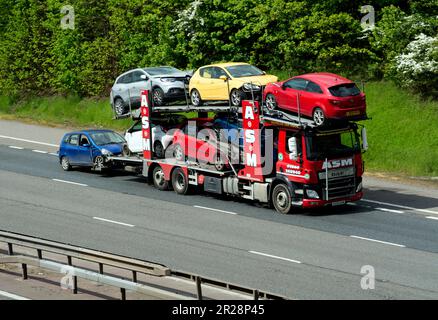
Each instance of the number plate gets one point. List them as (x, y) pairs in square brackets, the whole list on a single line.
[(338, 203), (353, 113)]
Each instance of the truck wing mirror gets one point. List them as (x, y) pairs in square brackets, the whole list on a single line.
[(293, 149), (365, 145)]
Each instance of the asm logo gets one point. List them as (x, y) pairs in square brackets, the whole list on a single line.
[(338, 164), (250, 137)]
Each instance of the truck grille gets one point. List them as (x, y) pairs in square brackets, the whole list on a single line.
[(339, 188)]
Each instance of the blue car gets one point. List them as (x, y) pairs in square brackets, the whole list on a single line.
[(89, 148)]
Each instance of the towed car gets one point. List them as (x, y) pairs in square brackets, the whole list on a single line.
[(228, 82), (89, 148), (321, 96)]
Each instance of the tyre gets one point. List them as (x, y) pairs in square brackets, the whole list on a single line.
[(65, 164), (282, 199), (119, 107), (158, 97), (158, 178), (178, 153), (271, 102), (159, 150), (236, 97), (98, 163), (319, 117), (180, 182), (195, 98)]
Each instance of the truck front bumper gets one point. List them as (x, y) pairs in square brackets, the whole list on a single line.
[(317, 203)]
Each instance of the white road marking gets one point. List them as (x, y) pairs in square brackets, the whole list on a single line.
[(54, 154), (217, 210), (12, 296), (30, 141), (432, 218), (39, 151), (17, 148), (115, 222), (379, 241), (401, 207), (389, 210), (70, 182), (275, 257)]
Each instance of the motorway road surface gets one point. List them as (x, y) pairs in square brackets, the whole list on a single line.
[(310, 255)]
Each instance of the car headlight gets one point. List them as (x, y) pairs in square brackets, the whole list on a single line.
[(106, 152), (168, 79), (359, 187), (250, 86), (312, 194)]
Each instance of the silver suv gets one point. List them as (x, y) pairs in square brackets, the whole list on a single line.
[(166, 84)]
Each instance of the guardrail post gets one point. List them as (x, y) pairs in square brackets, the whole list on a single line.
[(198, 287), (69, 260), (40, 254), (75, 285), (24, 267), (10, 249), (256, 294), (101, 268), (134, 276), (123, 292)]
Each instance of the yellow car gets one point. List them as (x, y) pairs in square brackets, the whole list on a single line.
[(228, 81)]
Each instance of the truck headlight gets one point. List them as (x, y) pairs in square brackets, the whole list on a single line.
[(249, 87), (106, 152), (312, 194), (359, 187)]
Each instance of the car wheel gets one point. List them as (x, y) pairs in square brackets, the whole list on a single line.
[(319, 117), (282, 199), (65, 164), (159, 150), (158, 96), (180, 182), (236, 97), (98, 163), (271, 102), (119, 107), (178, 153), (196, 98), (159, 181)]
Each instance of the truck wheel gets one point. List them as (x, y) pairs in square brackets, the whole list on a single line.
[(180, 182), (159, 181), (282, 199), (65, 164)]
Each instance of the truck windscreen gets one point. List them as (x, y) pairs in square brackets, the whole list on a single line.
[(320, 147)]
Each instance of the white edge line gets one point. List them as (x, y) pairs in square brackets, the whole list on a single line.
[(389, 210), (30, 141), (53, 154), (217, 210), (115, 222), (275, 257), (399, 206), (12, 296), (70, 182), (432, 218), (17, 148), (39, 151), (379, 241)]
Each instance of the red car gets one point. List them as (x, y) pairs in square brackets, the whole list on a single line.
[(322, 96), (200, 142)]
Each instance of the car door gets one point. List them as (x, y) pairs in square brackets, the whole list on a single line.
[(137, 86), (205, 82), (84, 154), (72, 149), (219, 87), (134, 138), (289, 93)]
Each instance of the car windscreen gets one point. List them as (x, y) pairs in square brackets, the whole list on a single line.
[(345, 90), (331, 146), (244, 70), (104, 138), (161, 71)]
